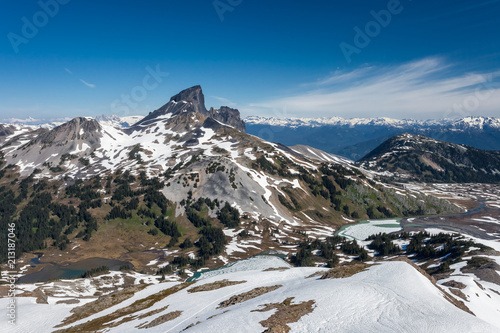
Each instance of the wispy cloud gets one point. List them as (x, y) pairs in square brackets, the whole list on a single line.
[(225, 101), (90, 85), (427, 88)]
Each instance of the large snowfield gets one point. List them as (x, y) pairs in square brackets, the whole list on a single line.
[(387, 297)]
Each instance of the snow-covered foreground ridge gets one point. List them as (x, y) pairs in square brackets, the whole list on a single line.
[(386, 297)]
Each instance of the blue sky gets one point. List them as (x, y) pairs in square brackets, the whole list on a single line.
[(420, 59)]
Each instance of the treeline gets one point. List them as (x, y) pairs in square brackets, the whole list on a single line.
[(211, 239), (96, 271), (326, 250), (42, 220)]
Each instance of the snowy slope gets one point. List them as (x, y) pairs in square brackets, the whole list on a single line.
[(388, 297)]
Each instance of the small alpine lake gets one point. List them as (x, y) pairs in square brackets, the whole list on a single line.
[(69, 271), (363, 229)]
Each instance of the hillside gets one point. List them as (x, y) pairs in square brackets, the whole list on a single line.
[(419, 158)]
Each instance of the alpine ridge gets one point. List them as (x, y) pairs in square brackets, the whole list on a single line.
[(419, 158)]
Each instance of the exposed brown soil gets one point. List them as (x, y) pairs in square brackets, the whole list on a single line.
[(41, 297), (161, 319), (493, 290), (486, 272), (459, 293), (271, 269), (345, 271), (286, 313), (256, 292), (454, 284), (110, 320), (68, 301), (100, 304), (216, 315), (214, 286), (318, 273), (142, 316), (192, 325)]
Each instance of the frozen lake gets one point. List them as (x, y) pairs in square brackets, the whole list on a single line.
[(363, 229)]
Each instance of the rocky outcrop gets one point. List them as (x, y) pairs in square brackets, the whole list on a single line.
[(5, 130), (228, 116)]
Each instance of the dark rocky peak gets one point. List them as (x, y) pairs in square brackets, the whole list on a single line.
[(187, 102), (228, 116), (194, 96)]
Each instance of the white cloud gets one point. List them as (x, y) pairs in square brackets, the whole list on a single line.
[(225, 101), (90, 85), (427, 88)]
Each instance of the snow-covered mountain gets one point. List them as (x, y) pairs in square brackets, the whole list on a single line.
[(204, 156), (185, 190), (353, 138)]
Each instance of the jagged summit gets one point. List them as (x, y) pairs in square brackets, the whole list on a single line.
[(181, 108), (193, 95)]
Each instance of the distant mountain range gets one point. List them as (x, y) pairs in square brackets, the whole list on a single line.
[(356, 137), (351, 138)]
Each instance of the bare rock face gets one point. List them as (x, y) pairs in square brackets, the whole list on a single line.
[(5, 130), (188, 101), (193, 95), (190, 104), (228, 116)]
